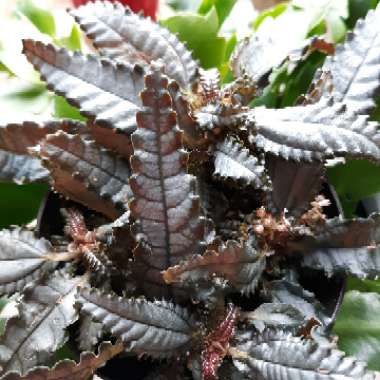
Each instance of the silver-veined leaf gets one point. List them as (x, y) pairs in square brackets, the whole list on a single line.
[(355, 67), (120, 34), (45, 311), (234, 162), (278, 355), (165, 204), (105, 91), (158, 329), (23, 259), (103, 174), (314, 132)]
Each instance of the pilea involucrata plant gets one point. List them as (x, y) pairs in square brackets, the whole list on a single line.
[(193, 222)]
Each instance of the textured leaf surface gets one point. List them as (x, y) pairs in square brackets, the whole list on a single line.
[(294, 185), (45, 312), (276, 315), (165, 202), (90, 333), (277, 355), (348, 246), (292, 293), (158, 329), (234, 162), (240, 264), (119, 33), (23, 259), (21, 169), (355, 68), (314, 132), (104, 175), (68, 369), (102, 90)]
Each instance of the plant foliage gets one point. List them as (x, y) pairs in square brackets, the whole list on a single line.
[(191, 221)]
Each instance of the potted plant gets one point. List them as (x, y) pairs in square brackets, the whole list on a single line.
[(192, 233)]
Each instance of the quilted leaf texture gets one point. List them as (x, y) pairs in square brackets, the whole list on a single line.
[(355, 68), (314, 132), (120, 34), (277, 355), (348, 246), (158, 329), (240, 264), (234, 162), (21, 169), (104, 91), (23, 259), (102, 173), (165, 202), (69, 369), (30, 338)]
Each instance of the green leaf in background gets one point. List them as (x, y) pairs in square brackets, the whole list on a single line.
[(64, 110), (20, 204), (200, 32), (73, 41), (273, 12), (223, 8), (358, 327), (354, 181), (42, 19), (358, 9)]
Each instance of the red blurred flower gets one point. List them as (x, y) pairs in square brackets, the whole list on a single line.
[(149, 7)]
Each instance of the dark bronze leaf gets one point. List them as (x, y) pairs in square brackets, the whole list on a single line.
[(23, 259), (158, 329), (102, 174), (240, 264), (69, 369), (106, 92), (294, 185), (45, 311), (234, 162), (314, 132), (355, 68), (276, 354), (120, 34), (344, 246), (165, 202), (292, 293)]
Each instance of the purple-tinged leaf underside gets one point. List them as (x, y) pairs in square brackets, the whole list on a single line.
[(235, 163), (19, 137), (276, 354), (101, 173), (70, 370), (45, 311), (165, 204), (348, 247), (294, 185), (240, 264), (23, 259), (105, 91), (355, 67), (158, 329), (314, 132), (120, 34)]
